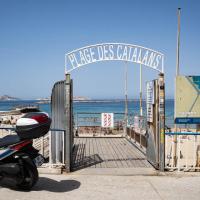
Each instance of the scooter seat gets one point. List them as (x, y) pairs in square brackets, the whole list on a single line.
[(9, 140)]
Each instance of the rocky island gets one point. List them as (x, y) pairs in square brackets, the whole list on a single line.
[(7, 98)]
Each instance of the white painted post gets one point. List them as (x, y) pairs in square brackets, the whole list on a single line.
[(179, 147), (63, 147), (187, 141), (42, 145), (50, 150), (141, 110)]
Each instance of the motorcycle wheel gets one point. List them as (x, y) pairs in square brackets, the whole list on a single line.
[(31, 177)]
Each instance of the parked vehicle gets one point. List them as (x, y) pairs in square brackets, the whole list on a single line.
[(18, 158)]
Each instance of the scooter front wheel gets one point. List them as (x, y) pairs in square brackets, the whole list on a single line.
[(30, 177)]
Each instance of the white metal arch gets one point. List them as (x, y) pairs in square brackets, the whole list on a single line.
[(114, 51)]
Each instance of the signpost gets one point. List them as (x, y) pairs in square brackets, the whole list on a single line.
[(156, 122)]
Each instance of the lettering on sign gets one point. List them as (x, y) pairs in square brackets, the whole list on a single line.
[(114, 51), (107, 120)]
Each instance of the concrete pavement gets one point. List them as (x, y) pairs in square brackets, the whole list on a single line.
[(90, 187)]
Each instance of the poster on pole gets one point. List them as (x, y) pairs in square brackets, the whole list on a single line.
[(107, 120), (150, 100)]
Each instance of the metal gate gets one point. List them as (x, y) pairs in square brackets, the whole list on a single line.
[(57, 110), (156, 123), (62, 119)]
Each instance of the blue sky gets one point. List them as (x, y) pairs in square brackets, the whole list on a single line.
[(36, 34)]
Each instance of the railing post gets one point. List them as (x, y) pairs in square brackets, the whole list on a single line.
[(42, 145), (50, 148)]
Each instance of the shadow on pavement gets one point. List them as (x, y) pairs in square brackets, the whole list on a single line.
[(45, 184), (56, 186)]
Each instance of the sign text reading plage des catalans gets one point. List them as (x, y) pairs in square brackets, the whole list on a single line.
[(114, 51)]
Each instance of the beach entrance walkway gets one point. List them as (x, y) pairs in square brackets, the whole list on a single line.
[(104, 152)]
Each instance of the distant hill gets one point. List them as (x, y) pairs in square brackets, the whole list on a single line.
[(7, 98)]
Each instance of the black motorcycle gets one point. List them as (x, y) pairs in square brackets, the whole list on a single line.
[(18, 158)]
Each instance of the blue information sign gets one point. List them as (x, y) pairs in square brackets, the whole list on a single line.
[(184, 120)]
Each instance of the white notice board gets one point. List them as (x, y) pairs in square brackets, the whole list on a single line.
[(107, 120), (150, 100)]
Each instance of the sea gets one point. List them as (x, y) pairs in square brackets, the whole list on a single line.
[(89, 110)]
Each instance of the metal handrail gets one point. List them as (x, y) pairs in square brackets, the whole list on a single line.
[(182, 133), (13, 128)]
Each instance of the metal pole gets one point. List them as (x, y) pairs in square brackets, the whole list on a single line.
[(177, 73), (126, 100), (141, 110), (178, 43), (161, 84), (67, 122)]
